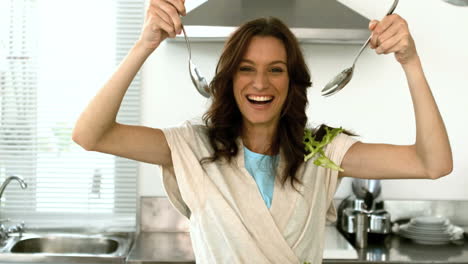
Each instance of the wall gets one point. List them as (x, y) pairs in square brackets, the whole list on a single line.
[(376, 104)]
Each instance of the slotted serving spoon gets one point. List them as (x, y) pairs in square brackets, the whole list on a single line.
[(197, 78), (343, 78)]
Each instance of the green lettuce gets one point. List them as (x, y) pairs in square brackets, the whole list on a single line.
[(314, 148)]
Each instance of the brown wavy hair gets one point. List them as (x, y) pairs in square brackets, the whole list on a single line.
[(224, 120)]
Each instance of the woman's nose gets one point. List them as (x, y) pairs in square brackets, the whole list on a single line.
[(261, 81)]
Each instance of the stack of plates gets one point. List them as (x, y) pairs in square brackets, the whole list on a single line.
[(428, 230)]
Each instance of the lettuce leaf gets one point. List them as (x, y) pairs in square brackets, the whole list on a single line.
[(314, 148)]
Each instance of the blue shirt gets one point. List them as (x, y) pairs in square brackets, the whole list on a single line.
[(262, 168)]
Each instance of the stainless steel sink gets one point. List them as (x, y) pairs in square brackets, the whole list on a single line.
[(66, 245)]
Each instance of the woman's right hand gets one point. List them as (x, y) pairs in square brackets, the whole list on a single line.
[(162, 20)]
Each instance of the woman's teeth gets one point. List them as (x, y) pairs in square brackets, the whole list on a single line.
[(259, 99)]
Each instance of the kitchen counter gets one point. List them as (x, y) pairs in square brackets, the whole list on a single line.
[(161, 247), (395, 249), (175, 247)]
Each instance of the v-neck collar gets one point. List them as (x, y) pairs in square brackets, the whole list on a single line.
[(277, 216), (279, 193)]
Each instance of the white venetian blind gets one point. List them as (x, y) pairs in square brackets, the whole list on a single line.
[(54, 57)]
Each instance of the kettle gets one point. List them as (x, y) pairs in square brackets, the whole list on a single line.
[(362, 186), (366, 189)]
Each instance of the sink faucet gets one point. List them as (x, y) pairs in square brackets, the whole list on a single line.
[(8, 180), (4, 232)]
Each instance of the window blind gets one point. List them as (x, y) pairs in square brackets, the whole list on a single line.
[(54, 57)]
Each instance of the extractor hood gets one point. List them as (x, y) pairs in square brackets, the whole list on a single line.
[(457, 2), (312, 21)]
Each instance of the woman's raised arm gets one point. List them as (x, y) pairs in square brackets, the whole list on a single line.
[(97, 129), (430, 156)]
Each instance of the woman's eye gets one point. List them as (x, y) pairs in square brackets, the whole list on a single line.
[(246, 69), (277, 70)]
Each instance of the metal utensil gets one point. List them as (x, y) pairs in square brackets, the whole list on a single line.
[(343, 78), (197, 78)]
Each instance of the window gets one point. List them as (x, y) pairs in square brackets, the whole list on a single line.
[(54, 57)]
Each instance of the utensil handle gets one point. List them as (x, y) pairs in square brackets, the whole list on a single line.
[(390, 11), (360, 51), (187, 42), (392, 8)]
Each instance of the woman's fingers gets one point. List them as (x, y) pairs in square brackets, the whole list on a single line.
[(404, 50), (372, 24), (162, 20), (387, 36), (391, 35), (166, 22), (179, 5), (378, 29), (173, 9), (388, 45)]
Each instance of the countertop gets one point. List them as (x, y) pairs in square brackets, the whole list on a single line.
[(175, 247), (395, 249)]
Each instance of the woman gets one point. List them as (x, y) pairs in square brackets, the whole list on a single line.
[(241, 178)]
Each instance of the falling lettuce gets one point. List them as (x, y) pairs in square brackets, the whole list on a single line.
[(315, 148)]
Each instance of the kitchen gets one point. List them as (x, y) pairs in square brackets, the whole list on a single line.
[(441, 48)]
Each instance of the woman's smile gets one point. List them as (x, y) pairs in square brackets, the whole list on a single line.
[(260, 101)]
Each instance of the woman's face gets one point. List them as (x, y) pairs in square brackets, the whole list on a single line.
[(261, 81)]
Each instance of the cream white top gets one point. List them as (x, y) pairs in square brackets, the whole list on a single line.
[(229, 221)]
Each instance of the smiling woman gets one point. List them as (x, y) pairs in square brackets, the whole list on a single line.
[(241, 178), (261, 76)]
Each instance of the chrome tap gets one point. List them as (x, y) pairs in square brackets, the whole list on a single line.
[(22, 183), (4, 231)]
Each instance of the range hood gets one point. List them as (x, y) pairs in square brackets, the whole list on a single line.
[(457, 2), (312, 21)]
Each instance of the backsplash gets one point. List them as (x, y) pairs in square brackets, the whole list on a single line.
[(158, 215), (456, 211)]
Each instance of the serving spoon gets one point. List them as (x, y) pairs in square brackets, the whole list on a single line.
[(343, 78), (197, 78)]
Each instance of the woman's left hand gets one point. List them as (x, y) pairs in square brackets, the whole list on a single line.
[(391, 35)]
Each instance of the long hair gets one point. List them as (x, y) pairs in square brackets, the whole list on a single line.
[(224, 120)]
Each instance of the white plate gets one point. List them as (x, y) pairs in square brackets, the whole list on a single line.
[(408, 234), (424, 236), (412, 236), (428, 232), (433, 230), (430, 242), (430, 221)]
